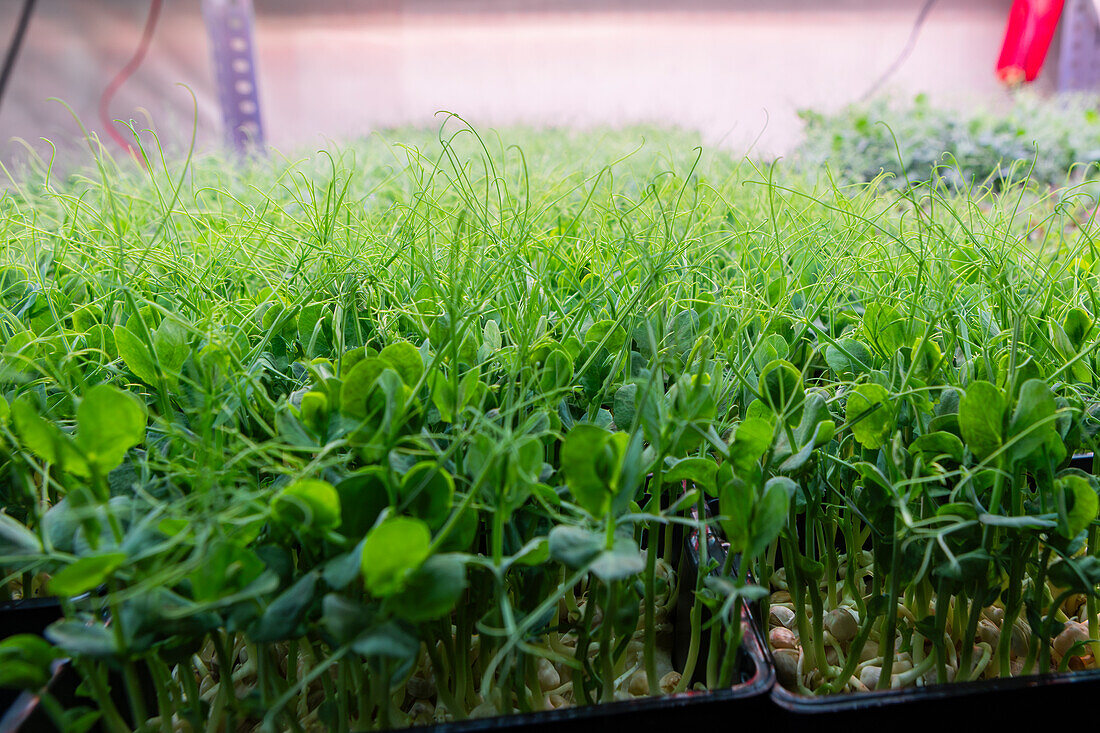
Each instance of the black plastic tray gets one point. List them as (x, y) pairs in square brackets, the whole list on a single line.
[(743, 701), (1008, 701), (747, 698), (1005, 701)]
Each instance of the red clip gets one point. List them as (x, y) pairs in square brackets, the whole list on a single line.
[(1031, 25)]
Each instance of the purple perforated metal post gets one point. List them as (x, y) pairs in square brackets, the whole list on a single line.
[(1079, 56), (229, 24)]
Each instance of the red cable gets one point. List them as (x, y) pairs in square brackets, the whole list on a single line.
[(126, 72)]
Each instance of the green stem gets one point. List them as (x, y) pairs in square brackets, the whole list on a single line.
[(606, 650), (967, 656), (442, 688), (650, 608), (225, 679), (733, 643), (889, 637), (161, 676), (943, 605), (90, 673), (580, 691), (1092, 603), (191, 688)]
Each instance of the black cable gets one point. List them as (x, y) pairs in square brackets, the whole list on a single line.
[(908, 49), (15, 45)]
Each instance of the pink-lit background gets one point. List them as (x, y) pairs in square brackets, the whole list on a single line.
[(737, 71)]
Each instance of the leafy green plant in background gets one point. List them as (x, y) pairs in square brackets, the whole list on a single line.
[(1051, 143)]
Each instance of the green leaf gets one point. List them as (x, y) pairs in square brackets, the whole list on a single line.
[(735, 503), (556, 371), (109, 422), (1077, 324), (870, 415), (86, 573), (82, 639), (280, 619), (612, 335), (170, 344), (927, 358), (42, 437), (625, 405), (341, 570), (937, 444), (404, 358), (781, 389), (823, 433), (443, 395), (699, 471), (591, 458), (426, 492), (1080, 574), (574, 547), (80, 719), (312, 319), (1032, 420), (25, 661), (343, 618), (848, 358), (491, 336), (768, 349), (358, 385), (1082, 503), (393, 551), (769, 515), (388, 641), (363, 496), (535, 552), (622, 561), (135, 355), (750, 441), (309, 504), (729, 587), (981, 418), (226, 568), (46, 441), (431, 591), (885, 328), (16, 539)]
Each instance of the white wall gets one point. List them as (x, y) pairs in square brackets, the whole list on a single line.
[(736, 69)]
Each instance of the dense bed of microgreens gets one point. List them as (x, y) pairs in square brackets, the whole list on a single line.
[(1049, 142), (400, 433)]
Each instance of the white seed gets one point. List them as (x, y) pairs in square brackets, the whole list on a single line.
[(420, 688), (639, 684), (422, 712), (548, 676), (1073, 633), (782, 638), (989, 633), (786, 666), (842, 624), (669, 681), (780, 616), (1021, 638)]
